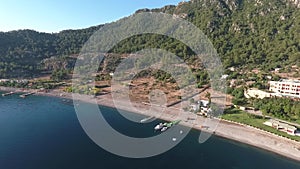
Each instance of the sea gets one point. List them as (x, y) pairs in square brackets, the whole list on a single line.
[(41, 132)]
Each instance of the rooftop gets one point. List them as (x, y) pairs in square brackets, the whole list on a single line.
[(289, 80), (281, 124)]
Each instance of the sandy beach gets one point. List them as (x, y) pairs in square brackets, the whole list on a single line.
[(237, 132)]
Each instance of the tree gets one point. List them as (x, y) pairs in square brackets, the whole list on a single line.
[(59, 75), (192, 100), (208, 96)]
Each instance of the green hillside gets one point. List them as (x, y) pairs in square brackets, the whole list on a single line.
[(246, 33), (23, 52)]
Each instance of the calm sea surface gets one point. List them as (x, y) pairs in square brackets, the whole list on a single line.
[(44, 133)]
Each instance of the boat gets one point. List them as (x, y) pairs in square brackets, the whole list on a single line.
[(7, 94), (174, 122), (26, 94), (164, 129), (164, 126), (147, 119), (159, 126)]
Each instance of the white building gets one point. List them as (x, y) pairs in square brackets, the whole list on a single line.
[(4, 80), (284, 87), (289, 129), (277, 69), (256, 93), (194, 107), (203, 103)]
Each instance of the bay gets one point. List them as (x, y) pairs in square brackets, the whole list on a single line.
[(44, 133)]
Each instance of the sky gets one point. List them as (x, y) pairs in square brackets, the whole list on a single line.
[(55, 15)]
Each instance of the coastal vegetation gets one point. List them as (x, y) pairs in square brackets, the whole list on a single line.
[(240, 116), (238, 95), (33, 84), (282, 108), (83, 89)]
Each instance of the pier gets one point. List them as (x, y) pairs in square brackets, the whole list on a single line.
[(7, 94), (26, 94)]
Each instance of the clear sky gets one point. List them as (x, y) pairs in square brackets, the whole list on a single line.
[(56, 15)]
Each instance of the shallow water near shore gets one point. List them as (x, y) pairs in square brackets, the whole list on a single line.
[(44, 132)]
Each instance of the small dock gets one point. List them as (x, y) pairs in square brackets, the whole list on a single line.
[(26, 94), (7, 94)]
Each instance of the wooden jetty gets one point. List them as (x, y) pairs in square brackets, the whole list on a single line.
[(7, 94), (26, 94)]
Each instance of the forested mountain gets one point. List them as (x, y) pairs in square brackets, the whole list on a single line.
[(264, 33), (25, 53), (246, 33)]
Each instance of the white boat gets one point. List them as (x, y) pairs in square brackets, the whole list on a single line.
[(147, 119), (159, 126), (164, 129), (164, 126)]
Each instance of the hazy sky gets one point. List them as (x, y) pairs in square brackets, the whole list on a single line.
[(56, 15)]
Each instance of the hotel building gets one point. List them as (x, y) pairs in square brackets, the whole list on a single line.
[(284, 87)]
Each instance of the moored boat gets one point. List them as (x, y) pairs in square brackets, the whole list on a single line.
[(147, 119), (164, 129), (159, 126), (164, 126)]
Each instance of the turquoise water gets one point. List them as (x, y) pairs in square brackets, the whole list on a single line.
[(44, 133)]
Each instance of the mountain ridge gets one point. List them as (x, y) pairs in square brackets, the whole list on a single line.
[(264, 34)]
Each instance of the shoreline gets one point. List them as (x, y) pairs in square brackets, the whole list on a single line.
[(239, 133)]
